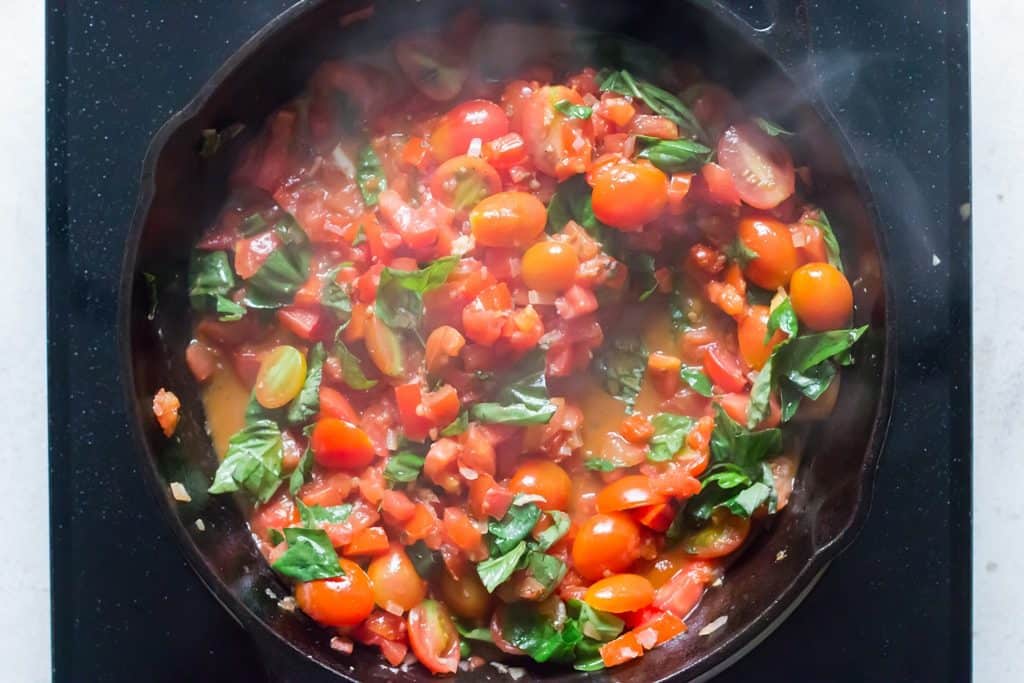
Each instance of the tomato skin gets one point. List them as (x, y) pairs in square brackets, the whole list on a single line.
[(334, 404), (678, 190), (822, 297), (559, 146), (341, 601), (473, 119), (723, 535), (637, 429), (760, 165), (606, 542), (720, 186), (543, 478), (484, 318), (396, 584), (466, 596), (550, 266), (629, 194), (370, 541), (281, 375), (505, 152), (433, 637), (384, 347), (340, 444), (723, 368), (508, 219), (620, 593), (776, 256), (462, 181), (751, 332), (304, 323), (409, 397), (684, 588), (631, 491)]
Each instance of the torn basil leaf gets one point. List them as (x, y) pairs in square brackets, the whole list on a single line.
[(554, 533), (599, 464), (307, 403), (670, 432), (210, 279), (310, 556), (771, 128), (351, 368), (697, 379), (621, 364), (515, 526), (574, 111), (315, 515), (572, 202), (673, 156), (370, 176), (400, 293), (782, 318), (403, 467), (831, 242), (301, 472), (284, 271), (457, 426), (496, 570), (523, 397), (660, 101), (252, 462)]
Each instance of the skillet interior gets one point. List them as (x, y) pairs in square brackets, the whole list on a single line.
[(181, 192)]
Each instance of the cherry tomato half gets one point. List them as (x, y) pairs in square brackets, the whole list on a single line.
[(473, 119), (723, 368), (340, 444), (282, 373), (629, 194), (631, 491), (550, 266), (620, 593), (543, 478), (560, 145), (466, 596), (751, 332), (384, 347), (462, 181), (822, 297), (344, 600), (433, 637), (605, 543), (761, 166), (723, 534), (776, 256), (508, 219), (395, 580)]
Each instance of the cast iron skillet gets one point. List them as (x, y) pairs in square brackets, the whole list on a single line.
[(180, 192)]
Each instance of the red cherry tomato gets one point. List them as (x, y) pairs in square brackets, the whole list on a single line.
[(627, 195), (776, 256), (723, 368), (751, 333), (605, 543), (631, 491), (340, 444), (433, 637), (760, 165), (341, 601), (462, 181), (473, 119), (620, 593), (560, 145)]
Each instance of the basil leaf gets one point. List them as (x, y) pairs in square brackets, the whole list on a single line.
[(301, 471), (672, 156), (210, 279), (574, 111), (309, 556), (595, 624), (283, 273), (641, 267), (622, 364), (572, 202), (400, 293), (660, 101), (732, 443), (782, 318), (515, 526), (252, 461), (253, 224), (740, 253), (697, 379), (559, 528), (789, 400), (403, 467), (547, 569), (760, 395), (599, 464), (831, 242), (670, 433), (335, 296), (307, 403), (315, 515), (228, 311), (681, 309), (533, 633), (812, 382), (523, 397), (747, 500), (771, 128), (370, 176), (457, 426), (802, 353), (494, 571), (351, 368), (275, 536), (478, 633), (423, 559)]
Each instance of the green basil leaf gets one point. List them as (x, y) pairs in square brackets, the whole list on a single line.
[(641, 268), (351, 368), (423, 559), (732, 443), (554, 533), (309, 556), (622, 363), (547, 569), (315, 515), (533, 633), (400, 293), (523, 397), (803, 353), (660, 101), (572, 202), (252, 462), (673, 156), (782, 318), (370, 176), (457, 426), (283, 273), (478, 633), (740, 253), (760, 395), (515, 526), (670, 433), (334, 295), (789, 400), (771, 128), (831, 242), (697, 379), (228, 311), (495, 570), (595, 624), (253, 224), (812, 382), (574, 111), (403, 467), (301, 472), (307, 404), (683, 309), (210, 277), (275, 536), (599, 464)]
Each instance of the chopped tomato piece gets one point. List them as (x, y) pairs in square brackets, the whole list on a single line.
[(165, 408), (370, 541)]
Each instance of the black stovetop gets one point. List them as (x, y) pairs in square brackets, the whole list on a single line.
[(126, 607)]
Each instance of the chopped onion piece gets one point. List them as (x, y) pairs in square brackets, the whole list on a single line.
[(342, 161), (179, 493), (713, 626)]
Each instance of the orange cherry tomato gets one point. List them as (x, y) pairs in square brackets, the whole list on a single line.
[(605, 543), (396, 584), (631, 491), (340, 444), (550, 266), (340, 601), (620, 593), (822, 297), (473, 119), (723, 534), (543, 478), (751, 332), (282, 373), (462, 181), (433, 637), (776, 256), (760, 164), (629, 194), (508, 219), (723, 368), (560, 145), (466, 596)]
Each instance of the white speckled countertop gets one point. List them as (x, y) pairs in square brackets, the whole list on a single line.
[(998, 138)]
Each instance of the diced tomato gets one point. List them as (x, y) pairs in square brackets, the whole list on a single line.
[(416, 153), (371, 541), (654, 126), (523, 329), (720, 185), (165, 409), (660, 629), (327, 490), (304, 323), (621, 650), (487, 498), (442, 406), (201, 359), (461, 531), (678, 190), (484, 318), (422, 523), (683, 591), (616, 109), (506, 151), (409, 398), (578, 301), (724, 369), (658, 517), (396, 506), (252, 252), (334, 404)]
